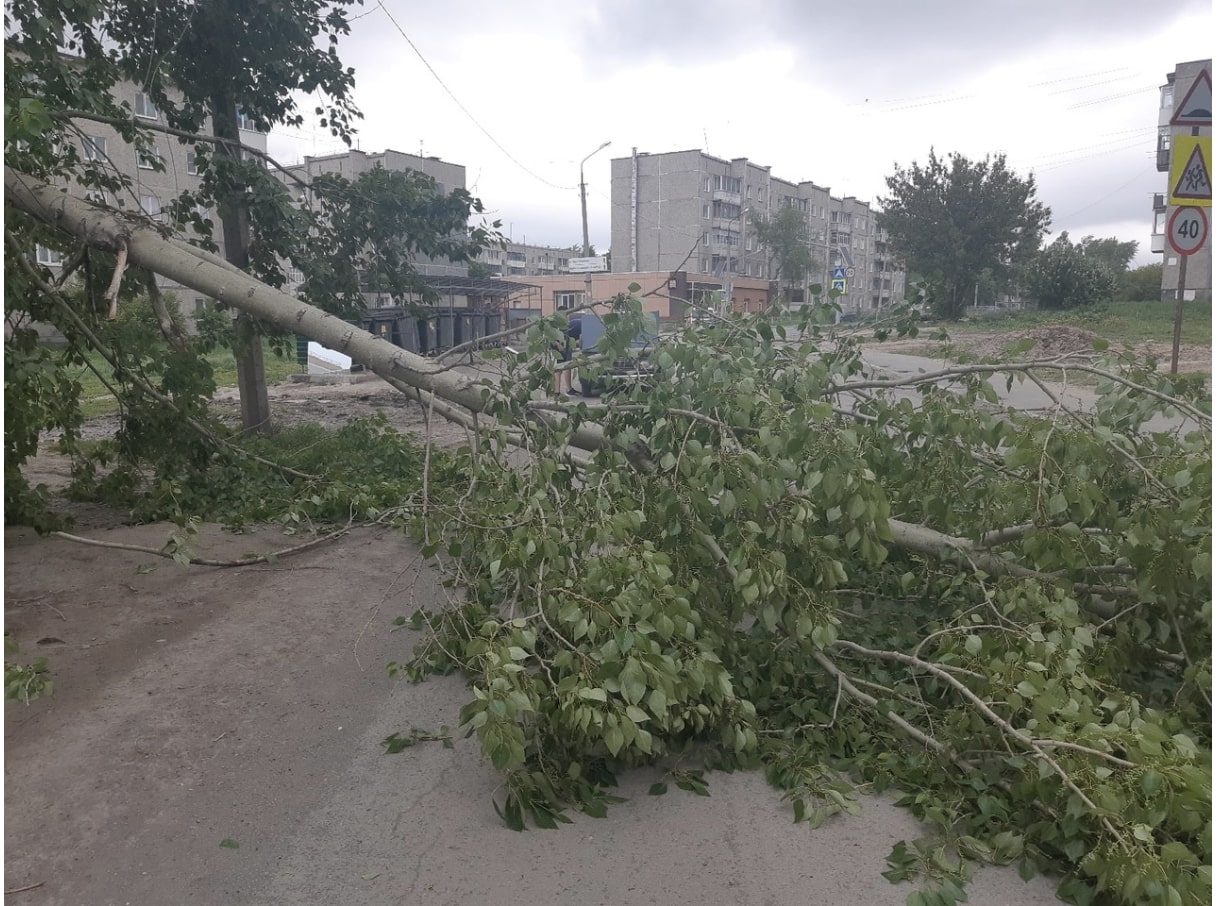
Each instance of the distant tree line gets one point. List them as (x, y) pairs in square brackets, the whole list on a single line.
[(973, 230)]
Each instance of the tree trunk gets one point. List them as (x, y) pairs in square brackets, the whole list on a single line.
[(213, 276), (234, 221)]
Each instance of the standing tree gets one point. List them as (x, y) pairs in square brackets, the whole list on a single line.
[(199, 63), (784, 236), (1142, 284), (953, 218), (1111, 252), (1063, 275)]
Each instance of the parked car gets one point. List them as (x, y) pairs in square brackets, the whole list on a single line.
[(626, 369)]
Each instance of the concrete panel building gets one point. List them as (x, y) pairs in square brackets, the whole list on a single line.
[(159, 170), (518, 259), (690, 211), (351, 164), (1189, 86)]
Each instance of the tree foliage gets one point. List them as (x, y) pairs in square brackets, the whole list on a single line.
[(193, 60), (769, 557), (784, 235), (1063, 275), (1142, 284), (1111, 251), (1004, 615), (953, 218)]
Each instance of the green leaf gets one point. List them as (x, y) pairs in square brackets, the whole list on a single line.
[(229, 843), (972, 644), (657, 789)]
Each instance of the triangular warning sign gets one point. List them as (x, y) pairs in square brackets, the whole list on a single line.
[(1197, 108), (1194, 181)]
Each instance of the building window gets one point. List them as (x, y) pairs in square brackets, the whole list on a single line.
[(706, 238), (148, 158), (94, 147), (565, 301), (706, 209), (150, 205), (1166, 96), (192, 163), (144, 106), (48, 256), (516, 256), (244, 121)]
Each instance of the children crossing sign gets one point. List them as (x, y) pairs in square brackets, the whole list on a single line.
[(1191, 171)]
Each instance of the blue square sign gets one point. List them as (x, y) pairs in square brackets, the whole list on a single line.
[(839, 273)]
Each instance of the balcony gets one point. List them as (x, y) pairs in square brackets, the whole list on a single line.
[(1160, 203), (1163, 159), (1158, 243), (730, 224), (729, 197)]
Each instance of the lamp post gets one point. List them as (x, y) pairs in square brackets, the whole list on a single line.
[(583, 206)]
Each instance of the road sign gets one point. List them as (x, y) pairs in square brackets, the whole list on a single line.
[(587, 265), (839, 273), (849, 272), (1187, 229), (1197, 107), (1190, 181), (838, 286)]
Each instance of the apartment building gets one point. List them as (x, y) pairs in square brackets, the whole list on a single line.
[(350, 164), (159, 171), (688, 210), (518, 259), (1188, 91)]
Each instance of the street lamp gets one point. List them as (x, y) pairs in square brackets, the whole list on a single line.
[(583, 206)]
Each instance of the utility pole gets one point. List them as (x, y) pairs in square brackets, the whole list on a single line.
[(583, 207)]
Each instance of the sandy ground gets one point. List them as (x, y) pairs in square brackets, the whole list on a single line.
[(195, 706)]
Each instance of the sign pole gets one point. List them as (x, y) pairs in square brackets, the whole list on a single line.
[(1175, 337)]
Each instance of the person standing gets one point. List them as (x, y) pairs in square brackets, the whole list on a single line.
[(563, 376)]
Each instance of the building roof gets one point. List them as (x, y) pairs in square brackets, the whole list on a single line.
[(486, 286)]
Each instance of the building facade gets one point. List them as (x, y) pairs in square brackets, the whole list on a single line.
[(352, 163), (689, 211), (674, 295), (159, 171), (518, 259), (1190, 84)]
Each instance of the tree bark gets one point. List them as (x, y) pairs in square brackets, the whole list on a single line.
[(235, 224), (209, 274)]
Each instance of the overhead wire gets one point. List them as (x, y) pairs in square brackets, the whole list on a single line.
[(508, 154)]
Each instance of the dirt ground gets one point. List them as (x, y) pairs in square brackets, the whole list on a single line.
[(214, 738)]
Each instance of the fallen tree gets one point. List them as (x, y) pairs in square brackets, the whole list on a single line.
[(770, 558)]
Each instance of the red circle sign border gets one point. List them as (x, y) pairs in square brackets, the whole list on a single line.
[(1171, 233)]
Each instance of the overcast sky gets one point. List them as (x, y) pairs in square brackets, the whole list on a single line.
[(836, 93)]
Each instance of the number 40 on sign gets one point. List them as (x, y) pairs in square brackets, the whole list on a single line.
[(1187, 229)]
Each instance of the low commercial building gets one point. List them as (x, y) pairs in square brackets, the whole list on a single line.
[(674, 295)]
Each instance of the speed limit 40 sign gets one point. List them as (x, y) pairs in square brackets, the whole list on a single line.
[(1187, 229)]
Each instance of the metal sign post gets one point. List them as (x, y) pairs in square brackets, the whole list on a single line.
[(1187, 229)]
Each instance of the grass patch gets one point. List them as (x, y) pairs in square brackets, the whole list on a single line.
[(96, 398), (1117, 322)]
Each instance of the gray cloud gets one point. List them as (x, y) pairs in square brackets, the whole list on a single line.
[(887, 49)]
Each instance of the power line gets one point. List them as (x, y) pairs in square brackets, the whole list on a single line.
[(472, 118), (1119, 188)]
